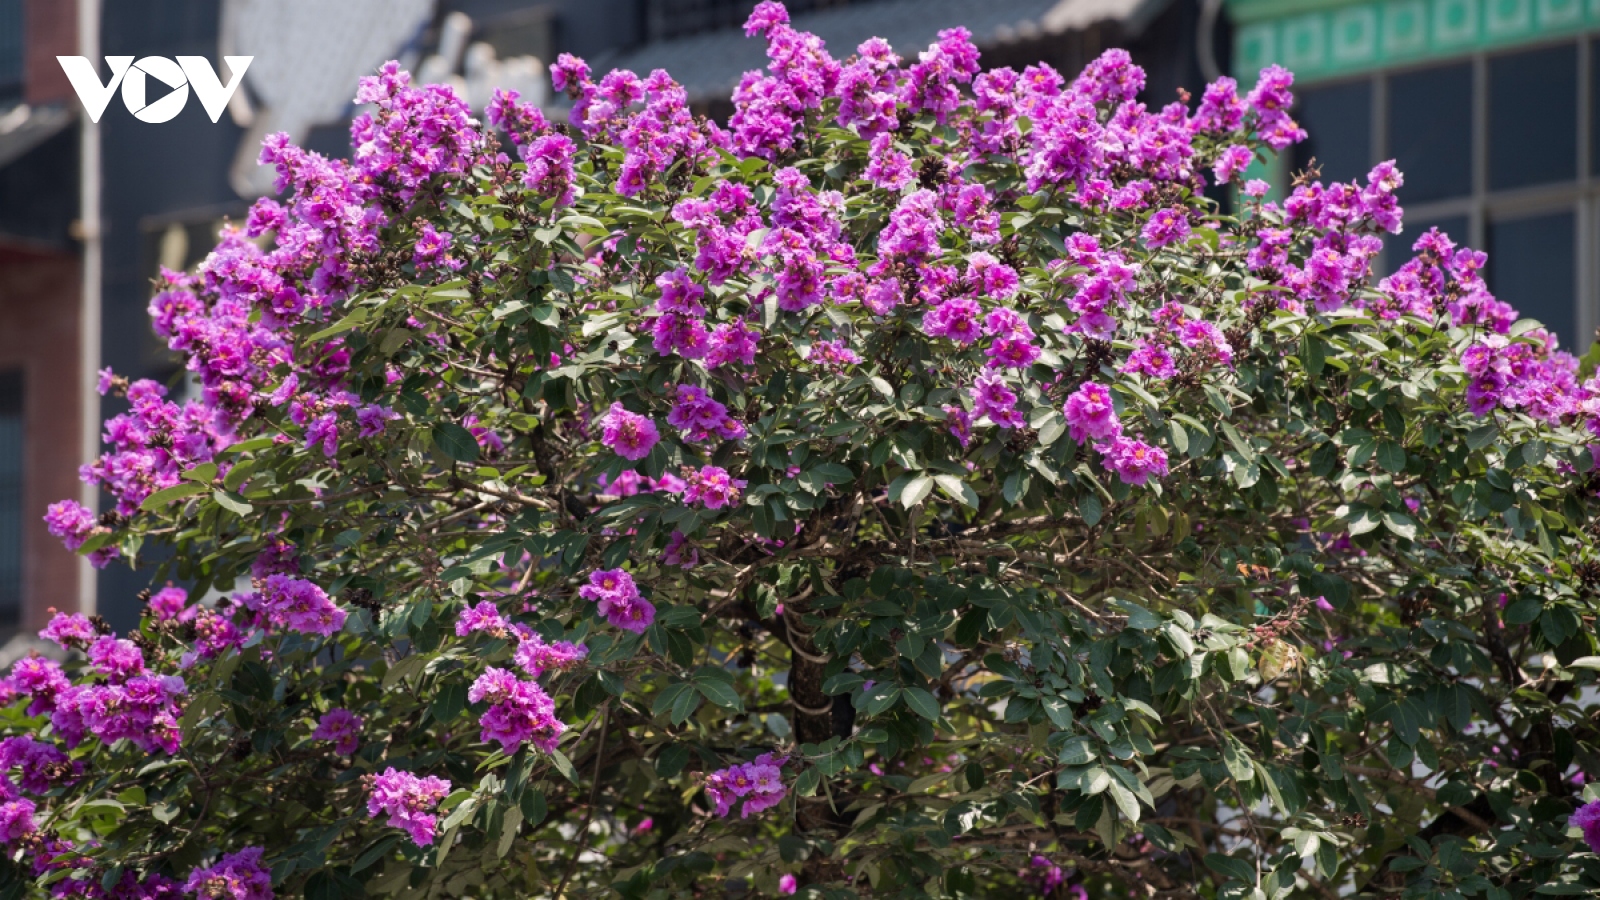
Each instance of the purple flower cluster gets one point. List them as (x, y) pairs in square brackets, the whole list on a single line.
[(519, 712), (758, 782), (1092, 416), (342, 727), (618, 599), (297, 605), (702, 418), (630, 435), (407, 801), (236, 876), (712, 487)]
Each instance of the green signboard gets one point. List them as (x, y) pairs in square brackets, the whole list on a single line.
[(1322, 39)]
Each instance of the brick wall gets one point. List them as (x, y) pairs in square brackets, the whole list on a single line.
[(51, 30), (39, 298)]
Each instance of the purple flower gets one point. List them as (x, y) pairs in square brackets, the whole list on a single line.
[(732, 343), (169, 604), (372, 418), (236, 876), (713, 487), (679, 552), (887, 167), (432, 249), (992, 397), (1150, 359), (629, 434), (960, 423), (1588, 818), (1233, 159), (407, 799), (619, 600), (69, 630), (1166, 226), (116, 659), (1090, 414), (521, 712), (484, 618), (16, 820), (701, 418), (957, 319), (758, 782), (536, 656), (1133, 461), (788, 885), (298, 605), (832, 355), (341, 726)]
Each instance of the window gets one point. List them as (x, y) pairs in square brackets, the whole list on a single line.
[(10, 498), (1532, 266), (1339, 122), (11, 51), (1491, 151), (1533, 118), (1430, 131)]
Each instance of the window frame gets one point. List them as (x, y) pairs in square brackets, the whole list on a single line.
[(1580, 196)]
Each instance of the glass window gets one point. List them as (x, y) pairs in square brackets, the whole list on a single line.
[(1533, 117), (11, 49), (10, 498), (1532, 266), (1430, 131), (1338, 122)]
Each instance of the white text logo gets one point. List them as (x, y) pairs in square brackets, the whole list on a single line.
[(134, 78)]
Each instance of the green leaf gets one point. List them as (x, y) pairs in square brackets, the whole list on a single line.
[(916, 490), (1227, 866), (232, 502), (159, 500), (1482, 436), (564, 766), (1400, 523), (1391, 456), (922, 703), (719, 692), (205, 473), (1090, 508), (455, 442), (957, 490)]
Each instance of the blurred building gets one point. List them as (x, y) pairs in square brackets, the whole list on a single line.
[(1485, 102), (1488, 106)]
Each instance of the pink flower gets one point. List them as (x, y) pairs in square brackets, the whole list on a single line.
[(759, 782), (70, 630), (485, 618), (619, 600), (407, 800), (1588, 818), (1133, 461), (629, 434), (1090, 414), (788, 885), (236, 876), (341, 726), (713, 487)]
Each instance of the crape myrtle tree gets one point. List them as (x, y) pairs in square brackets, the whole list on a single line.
[(916, 488)]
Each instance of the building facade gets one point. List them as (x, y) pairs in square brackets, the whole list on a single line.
[(1487, 106)]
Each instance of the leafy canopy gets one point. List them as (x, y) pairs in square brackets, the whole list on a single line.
[(919, 487)]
